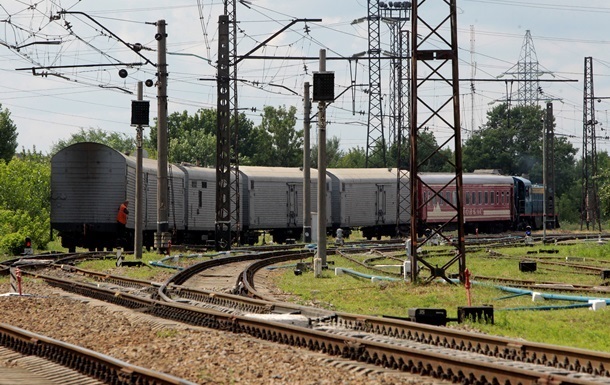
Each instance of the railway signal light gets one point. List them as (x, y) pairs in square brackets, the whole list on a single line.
[(27, 246), (139, 112), (323, 86)]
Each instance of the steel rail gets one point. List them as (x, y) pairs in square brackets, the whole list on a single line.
[(88, 362), (582, 360), (418, 361)]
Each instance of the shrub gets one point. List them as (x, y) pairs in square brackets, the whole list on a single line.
[(12, 244)]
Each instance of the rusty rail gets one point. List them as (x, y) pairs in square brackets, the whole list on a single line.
[(99, 366)]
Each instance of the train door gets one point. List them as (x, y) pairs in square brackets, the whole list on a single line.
[(520, 190), (292, 207), (380, 204)]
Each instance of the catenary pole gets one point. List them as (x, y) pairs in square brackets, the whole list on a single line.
[(306, 165), (162, 235), (137, 242), (322, 170)]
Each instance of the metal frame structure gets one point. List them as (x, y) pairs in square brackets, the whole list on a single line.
[(528, 73), (549, 168), (435, 60), (590, 213), (375, 142), (223, 139), (231, 12), (400, 76), (396, 17)]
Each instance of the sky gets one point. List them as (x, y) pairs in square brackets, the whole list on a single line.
[(90, 42)]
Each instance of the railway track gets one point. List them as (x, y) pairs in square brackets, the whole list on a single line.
[(417, 348), (43, 359), (397, 356), (438, 352)]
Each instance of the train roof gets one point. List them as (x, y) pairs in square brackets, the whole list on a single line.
[(467, 178), (275, 173), (354, 175), (77, 152), (196, 172)]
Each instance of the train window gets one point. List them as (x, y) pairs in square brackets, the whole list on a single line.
[(200, 199), (486, 197), (343, 187), (497, 197), (454, 198), (480, 198), (474, 198), (204, 184), (251, 185), (467, 198), (194, 184)]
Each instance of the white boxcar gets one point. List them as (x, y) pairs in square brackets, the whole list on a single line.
[(88, 183), (200, 198), (365, 198), (273, 200)]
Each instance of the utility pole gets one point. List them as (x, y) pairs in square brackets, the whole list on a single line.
[(322, 169), (230, 9), (306, 165), (223, 140), (548, 168), (162, 237), (375, 143), (473, 74), (590, 200), (137, 242)]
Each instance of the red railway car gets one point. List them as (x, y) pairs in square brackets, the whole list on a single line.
[(488, 201)]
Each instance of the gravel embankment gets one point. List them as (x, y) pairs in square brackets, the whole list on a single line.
[(200, 355)]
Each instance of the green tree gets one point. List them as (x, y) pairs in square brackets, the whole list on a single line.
[(117, 140), (511, 141), (333, 153), (192, 138), (354, 158), (277, 141), (603, 183), (25, 199), (8, 135), (428, 162), (195, 147)]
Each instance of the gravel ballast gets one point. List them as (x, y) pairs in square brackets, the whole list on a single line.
[(200, 355)]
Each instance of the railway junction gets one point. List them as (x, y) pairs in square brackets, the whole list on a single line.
[(219, 318)]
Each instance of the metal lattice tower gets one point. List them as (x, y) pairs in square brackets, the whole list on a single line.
[(528, 74), (231, 12), (375, 142), (223, 139), (590, 213), (435, 60), (396, 17), (227, 136)]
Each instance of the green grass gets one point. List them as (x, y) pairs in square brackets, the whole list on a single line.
[(582, 328)]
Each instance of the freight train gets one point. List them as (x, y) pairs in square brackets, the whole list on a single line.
[(90, 180)]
